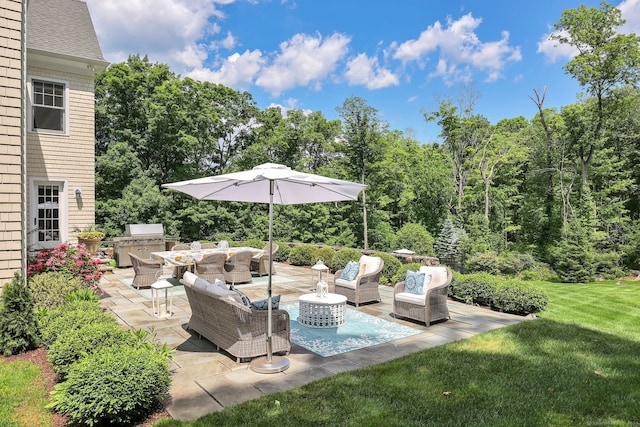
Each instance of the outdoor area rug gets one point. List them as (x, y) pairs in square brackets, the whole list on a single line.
[(359, 331), (178, 289)]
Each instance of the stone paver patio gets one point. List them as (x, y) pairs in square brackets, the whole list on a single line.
[(205, 380)]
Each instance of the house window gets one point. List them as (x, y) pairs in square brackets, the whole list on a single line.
[(48, 105)]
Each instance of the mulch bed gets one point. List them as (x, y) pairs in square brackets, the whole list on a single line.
[(39, 357)]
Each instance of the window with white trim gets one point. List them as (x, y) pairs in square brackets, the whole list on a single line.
[(48, 105)]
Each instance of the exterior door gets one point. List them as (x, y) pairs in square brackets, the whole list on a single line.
[(49, 214)]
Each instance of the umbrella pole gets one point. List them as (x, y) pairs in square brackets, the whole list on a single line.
[(270, 364)]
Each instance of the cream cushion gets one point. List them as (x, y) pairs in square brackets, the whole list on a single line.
[(438, 276), (351, 284), (372, 263), (410, 298)]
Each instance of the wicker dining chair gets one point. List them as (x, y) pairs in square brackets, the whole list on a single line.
[(147, 271), (260, 263), (211, 267), (181, 247), (209, 245), (238, 267)]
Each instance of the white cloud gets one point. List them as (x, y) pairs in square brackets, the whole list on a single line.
[(168, 31), (460, 50), (553, 50), (303, 60), (237, 71), (366, 71), (631, 12)]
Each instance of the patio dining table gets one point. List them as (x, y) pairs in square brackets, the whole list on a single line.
[(190, 257)]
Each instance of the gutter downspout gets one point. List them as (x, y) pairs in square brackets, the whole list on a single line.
[(23, 145)]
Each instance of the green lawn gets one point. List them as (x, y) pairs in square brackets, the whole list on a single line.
[(23, 395), (577, 365)]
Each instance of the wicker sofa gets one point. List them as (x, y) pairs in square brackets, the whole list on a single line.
[(429, 306), (239, 330)]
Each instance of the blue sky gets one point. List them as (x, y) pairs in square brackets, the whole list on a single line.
[(403, 56)]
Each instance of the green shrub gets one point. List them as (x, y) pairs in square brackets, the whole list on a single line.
[(282, 254), (83, 295), (113, 386), (478, 288), (519, 298), (485, 262), (255, 243), (49, 289), (18, 323), (390, 267), (74, 343), (401, 274), (342, 257), (324, 253), (302, 254), (70, 316), (416, 238)]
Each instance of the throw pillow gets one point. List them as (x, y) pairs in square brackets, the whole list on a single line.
[(263, 304), (189, 277), (414, 282), (363, 268), (350, 271), (200, 283), (239, 297), (217, 288)]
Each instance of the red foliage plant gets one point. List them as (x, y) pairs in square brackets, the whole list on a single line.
[(74, 260)]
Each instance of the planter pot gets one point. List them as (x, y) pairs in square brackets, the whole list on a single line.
[(92, 245)]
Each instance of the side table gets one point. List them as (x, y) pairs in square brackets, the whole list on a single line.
[(322, 312), (168, 297)]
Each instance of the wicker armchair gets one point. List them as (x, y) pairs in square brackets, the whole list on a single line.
[(211, 267), (147, 271), (429, 307), (364, 288), (260, 263), (209, 245), (181, 247), (237, 269)]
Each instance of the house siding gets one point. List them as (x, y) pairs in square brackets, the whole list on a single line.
[(68, 157), (11, 137)]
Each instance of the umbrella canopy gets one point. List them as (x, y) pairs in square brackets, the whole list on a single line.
[(290, 187), (274, 184)]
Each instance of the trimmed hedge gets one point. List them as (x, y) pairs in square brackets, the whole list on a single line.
[(390, 267), (71, 316), (116, 385), (511, 296), (282, 254), (342, 257), (49, 289), (302, 254), (324, 253)]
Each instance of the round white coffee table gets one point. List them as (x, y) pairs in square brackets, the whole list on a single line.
[(322, 312)]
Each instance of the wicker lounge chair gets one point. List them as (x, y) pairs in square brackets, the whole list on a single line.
[(364, 288), (237, 329), (238, 267), (147, 271), (211, 267), (429, 307), (260, 263)]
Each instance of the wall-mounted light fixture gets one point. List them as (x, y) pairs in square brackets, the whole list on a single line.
[(78, 192)]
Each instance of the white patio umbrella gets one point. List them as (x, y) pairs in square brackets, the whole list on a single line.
[(274, 184)]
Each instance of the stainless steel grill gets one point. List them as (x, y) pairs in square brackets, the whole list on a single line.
[(141, 239)]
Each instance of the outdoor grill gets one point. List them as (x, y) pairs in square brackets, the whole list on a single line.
[(141, 240)]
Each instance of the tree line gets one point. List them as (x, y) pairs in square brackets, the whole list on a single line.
[(560, 187)]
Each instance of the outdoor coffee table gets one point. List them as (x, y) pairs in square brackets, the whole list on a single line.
[(322, 312)]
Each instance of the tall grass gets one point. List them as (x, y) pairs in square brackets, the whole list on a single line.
[(577, 365)]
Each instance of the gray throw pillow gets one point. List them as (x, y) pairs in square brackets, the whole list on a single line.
[(239, 297), (263, 304), (217, 289), (201, 284)]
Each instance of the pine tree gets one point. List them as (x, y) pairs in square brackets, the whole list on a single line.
[(18, 327)]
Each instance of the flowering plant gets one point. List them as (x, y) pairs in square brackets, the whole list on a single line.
[(74, 260)]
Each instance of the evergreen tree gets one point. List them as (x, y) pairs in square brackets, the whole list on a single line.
[(18, 327)]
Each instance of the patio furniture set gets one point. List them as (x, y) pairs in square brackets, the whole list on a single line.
[(240, 329)]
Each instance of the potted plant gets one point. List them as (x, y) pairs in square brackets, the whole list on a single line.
[(91, 238)]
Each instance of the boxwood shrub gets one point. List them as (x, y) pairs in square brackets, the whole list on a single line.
[(282, 254), (478, 288), (342, 257), (324, 253), (71, 316), (48, 290), (519, 298), (401, 274), (72, 344), (302, 254), (116, 385), (390, 267)]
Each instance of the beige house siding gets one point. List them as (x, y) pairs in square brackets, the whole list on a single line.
[(11, 137), (69, 158)]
